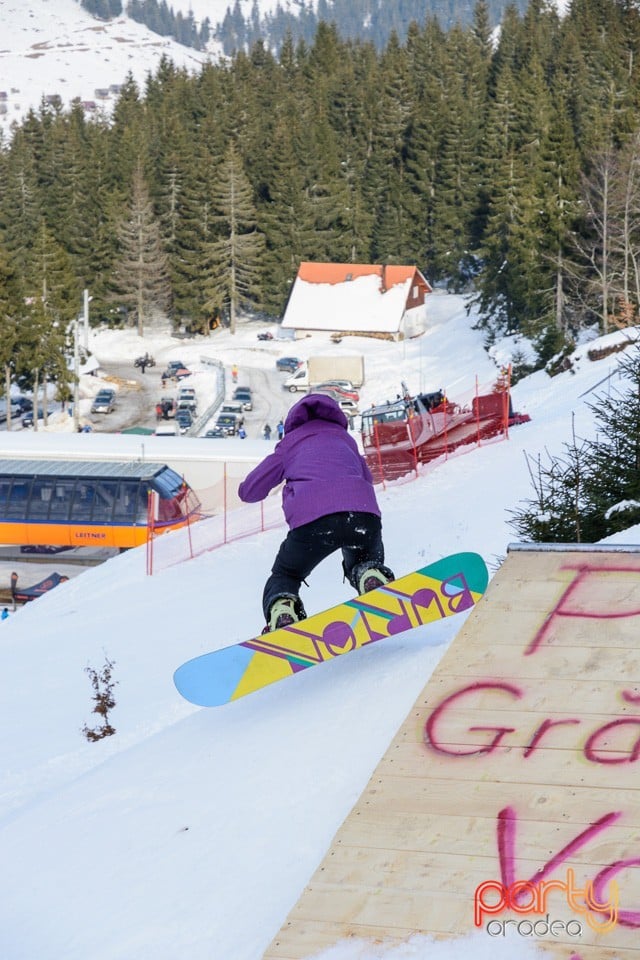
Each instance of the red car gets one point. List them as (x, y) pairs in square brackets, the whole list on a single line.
[(339, 390)]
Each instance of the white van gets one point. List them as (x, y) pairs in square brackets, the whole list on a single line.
[(298, 381)]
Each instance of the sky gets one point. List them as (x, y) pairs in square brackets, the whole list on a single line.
[(192, 832)]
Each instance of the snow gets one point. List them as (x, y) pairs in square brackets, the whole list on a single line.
[(192, 833), (216, 9), (51, 47), (358, 305)]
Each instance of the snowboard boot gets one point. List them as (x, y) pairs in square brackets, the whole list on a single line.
[(284, 611), (369, 576)]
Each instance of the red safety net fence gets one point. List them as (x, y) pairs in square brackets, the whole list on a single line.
[(220, 518), (477, 417)]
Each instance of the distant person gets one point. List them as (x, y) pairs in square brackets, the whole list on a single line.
[(234, 373), (266, 432), (242, 433), (5, 614), (280, 429), (329, 504)]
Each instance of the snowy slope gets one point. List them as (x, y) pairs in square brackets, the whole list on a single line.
[(50, 47), (54, 47), (192, 832), (215, 10)]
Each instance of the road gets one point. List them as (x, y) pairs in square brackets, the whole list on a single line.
[(138, 394)]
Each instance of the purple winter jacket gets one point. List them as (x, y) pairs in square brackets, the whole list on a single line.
[(320, 461)]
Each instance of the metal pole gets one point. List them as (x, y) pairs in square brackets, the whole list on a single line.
[(86, 320), (76, 378)]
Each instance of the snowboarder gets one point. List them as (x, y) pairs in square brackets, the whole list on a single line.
[(329, 504)]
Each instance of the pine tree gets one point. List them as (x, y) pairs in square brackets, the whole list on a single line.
[(53, 291), (387, 191), (560, 510), (456, 173), (558, 191), (235, 257), (12, 309), (141, 271), (592, 490), (20, 210), (614, 467)]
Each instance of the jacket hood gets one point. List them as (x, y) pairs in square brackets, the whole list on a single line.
[(315, 406)]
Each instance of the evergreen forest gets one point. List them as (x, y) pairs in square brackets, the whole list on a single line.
[(511, 171), (370, 20)]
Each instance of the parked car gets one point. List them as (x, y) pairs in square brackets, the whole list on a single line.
[(27, 420), (236, 408), (290, 364), (187, 394), (184, 420), (23, 403), (349, 408), (243, 396), (229, 423), (186, 404), (104, 402), (13, 406), (216, 434), (265, 335), (338, 389), (346, 385)]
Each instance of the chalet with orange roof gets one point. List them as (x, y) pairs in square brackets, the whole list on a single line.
[(383, 300)]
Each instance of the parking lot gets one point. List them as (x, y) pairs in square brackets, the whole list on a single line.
[(138, 395)]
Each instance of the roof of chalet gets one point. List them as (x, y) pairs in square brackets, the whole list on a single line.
[(351, 296)]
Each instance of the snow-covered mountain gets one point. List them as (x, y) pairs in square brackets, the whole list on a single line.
[(54, 48)]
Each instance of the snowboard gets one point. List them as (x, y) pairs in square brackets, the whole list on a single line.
[(441, 589)]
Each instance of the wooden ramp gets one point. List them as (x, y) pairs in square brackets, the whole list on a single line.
[(519, 762)]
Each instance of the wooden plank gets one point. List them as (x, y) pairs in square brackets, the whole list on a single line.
[(300, 940), (503, 765), (394, 795), (613, 663), (587, 695), (352, 907), (519, 757)]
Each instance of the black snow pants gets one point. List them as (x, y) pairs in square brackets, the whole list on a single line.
[(358, 535)]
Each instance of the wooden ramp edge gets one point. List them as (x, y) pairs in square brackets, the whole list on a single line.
[(519, 762)]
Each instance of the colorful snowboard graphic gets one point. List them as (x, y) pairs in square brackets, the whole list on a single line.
[(442, 589)]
